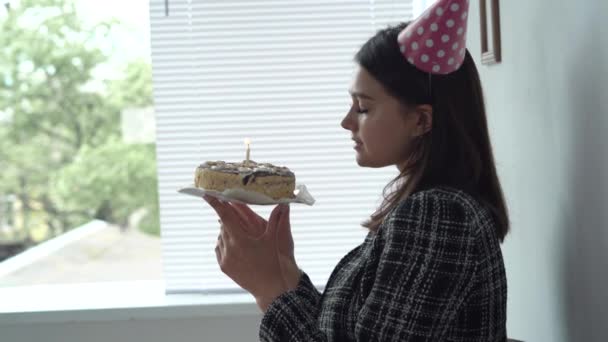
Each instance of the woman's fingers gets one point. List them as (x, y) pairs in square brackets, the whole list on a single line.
[(228, 216), (218, 249), (218, 206), (254, 224), (248, 214), (220, 240), (226, 237), (234, 226)]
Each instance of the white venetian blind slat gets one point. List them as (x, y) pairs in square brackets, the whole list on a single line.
[(278, 73)]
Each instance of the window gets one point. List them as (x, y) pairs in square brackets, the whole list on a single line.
[(78, 199), (278, 73), (79, 146)]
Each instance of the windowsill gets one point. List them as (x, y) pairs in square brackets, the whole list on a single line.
[(114, 301)]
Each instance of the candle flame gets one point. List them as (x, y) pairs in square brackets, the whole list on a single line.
[(247, 141)]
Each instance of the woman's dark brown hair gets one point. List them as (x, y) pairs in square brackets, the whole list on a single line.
[(457, 151)]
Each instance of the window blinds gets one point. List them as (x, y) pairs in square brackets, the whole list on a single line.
[(276, 72)]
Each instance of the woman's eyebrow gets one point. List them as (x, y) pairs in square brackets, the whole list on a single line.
[(360, 94)]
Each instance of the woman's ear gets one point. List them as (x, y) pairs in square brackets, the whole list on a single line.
[(424, 117)]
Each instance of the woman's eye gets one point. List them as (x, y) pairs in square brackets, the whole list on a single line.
[(361, 111)]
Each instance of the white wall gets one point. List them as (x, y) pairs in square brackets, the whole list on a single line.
[(548, 111)]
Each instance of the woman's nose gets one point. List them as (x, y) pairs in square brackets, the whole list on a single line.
[(347, 122)]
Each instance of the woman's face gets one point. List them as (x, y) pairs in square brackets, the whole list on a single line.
[(381, 126)]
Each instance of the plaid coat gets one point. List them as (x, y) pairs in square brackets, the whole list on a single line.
[(433, 272)]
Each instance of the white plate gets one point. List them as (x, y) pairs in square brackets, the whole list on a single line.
[(249, 197)]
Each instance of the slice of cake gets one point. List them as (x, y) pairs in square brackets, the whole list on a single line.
[(274, 181)]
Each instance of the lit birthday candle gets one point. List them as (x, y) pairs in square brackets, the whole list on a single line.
[(247, 143)]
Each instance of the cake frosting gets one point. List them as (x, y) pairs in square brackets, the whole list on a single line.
[(265, 178)]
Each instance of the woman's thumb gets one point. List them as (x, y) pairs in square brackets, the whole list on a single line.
[(274, 220), (284, 237), (284, 220)]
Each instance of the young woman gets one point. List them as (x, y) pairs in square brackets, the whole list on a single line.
[(430, 268)]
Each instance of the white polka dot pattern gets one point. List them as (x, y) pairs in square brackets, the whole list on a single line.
[(438, 47)]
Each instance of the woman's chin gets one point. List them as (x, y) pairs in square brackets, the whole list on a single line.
[(365, 161), (361, 160)]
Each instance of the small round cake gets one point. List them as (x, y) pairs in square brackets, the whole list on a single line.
[(274, 181)]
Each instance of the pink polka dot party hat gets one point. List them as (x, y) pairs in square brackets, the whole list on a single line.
[(436, 41)]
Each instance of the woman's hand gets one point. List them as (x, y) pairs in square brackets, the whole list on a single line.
[(257, 254), (285, 247)]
